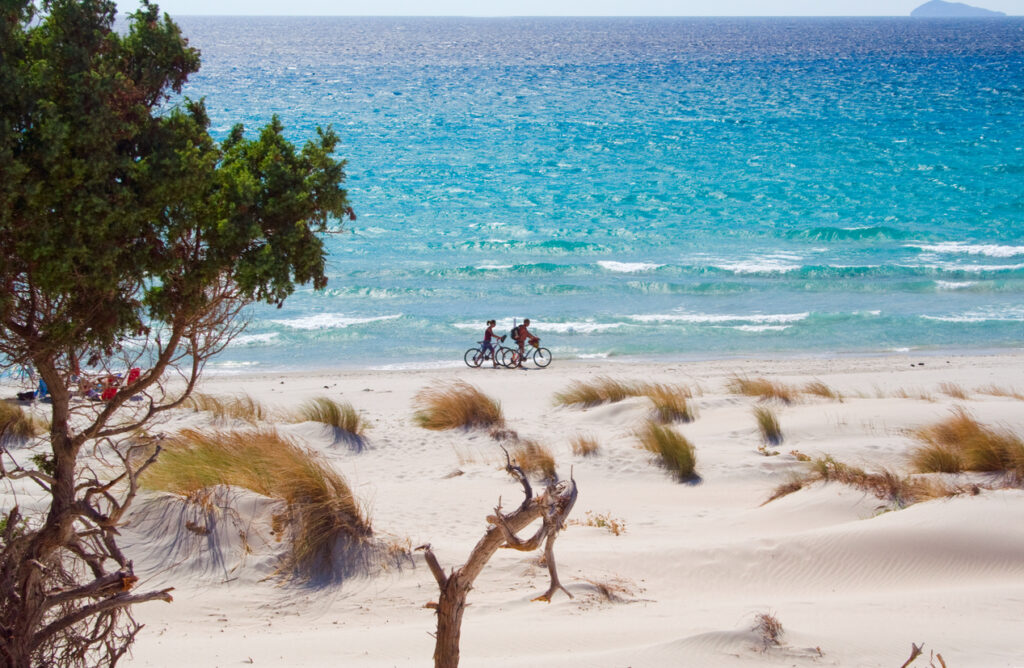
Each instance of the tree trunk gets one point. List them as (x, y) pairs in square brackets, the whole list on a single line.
[(450, 607)]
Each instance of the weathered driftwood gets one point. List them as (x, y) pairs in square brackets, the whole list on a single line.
[(552, 508)]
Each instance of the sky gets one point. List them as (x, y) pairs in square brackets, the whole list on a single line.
[(565, 7)]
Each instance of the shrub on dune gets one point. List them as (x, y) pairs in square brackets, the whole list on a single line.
[(768, 425), (346, 422), (601, 390), (459, 405), (535, 459), (676, 453), (15, 424), (324, 515), (762, 388), (670, 402), (242, 407)]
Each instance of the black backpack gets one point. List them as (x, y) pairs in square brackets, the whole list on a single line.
[(515, 333)]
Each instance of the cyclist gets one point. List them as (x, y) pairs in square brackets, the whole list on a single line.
[(524, 335), (487, 345)]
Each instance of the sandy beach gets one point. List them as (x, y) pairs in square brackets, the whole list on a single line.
[(852, 578)]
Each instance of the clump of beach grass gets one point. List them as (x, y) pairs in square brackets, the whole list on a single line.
[(769, 630), (961, 443), (458, 405), (768, 425), (999, 391), (326, 521), (953, 390), (762, 388), (242, 407), (535, 459), (601, 390), (584, 445), (613, 525), (341, 417), (675, 452), (16, 425), (670, 402), (916, 393), (819, 389)]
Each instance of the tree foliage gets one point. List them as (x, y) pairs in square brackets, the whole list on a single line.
[(129, 237)]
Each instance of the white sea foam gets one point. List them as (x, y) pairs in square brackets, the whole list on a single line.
[(761, 266), (254, 339), (418, 366), (331, 321), (954, 285), (540, 327), (494, 267), (761, 328), (989, 250), (628, 267), (989, 314), (592, 356), (766, 318)]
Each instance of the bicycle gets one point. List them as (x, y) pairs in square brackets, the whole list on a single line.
[(541, 356), (474, 357)]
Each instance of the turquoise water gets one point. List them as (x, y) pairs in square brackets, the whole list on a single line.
[(654, 188)]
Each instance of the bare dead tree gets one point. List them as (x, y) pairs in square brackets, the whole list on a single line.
[(552, 507)]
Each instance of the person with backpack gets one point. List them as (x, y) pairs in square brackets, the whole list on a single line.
[(521, 334)]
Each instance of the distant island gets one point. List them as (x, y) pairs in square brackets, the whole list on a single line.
[(942, 9)]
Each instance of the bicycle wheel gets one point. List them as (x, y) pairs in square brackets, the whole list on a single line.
[(507, 358), (473, 357), (542, 357)]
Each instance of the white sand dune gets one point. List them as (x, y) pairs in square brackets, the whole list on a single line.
[(853, 580)]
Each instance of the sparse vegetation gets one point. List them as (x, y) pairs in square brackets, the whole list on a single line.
[(961, 443), (534, 459), (323, 515), (768, 425), (953, 390), (769, 629), (346, 422), (15, 424), (242, 407), (762, 388), (670, 402), (677, 454), (601, 390), (613, 525), (916, 393), (999, 391), (584, 445), (459, 405), (819, 389)]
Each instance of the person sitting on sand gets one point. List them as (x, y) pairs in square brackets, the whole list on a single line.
[(524, 336), (488, 335)]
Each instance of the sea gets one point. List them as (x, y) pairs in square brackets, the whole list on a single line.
[(642, 188)]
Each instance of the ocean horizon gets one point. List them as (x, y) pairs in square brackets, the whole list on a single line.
[(642, 188)]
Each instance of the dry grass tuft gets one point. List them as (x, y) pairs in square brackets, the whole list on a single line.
[(962, 443), (904, 393), (601, 390), (346, 422), (16, 425), (819, 389), (676, 452), (323, 516), (535, 459), (794, 484), (762, 388), (241, 407), (998, 391), (770, 630), (613, 525), (670, 402), (584, 445), (953, 390), (459, 405), (768, 425)]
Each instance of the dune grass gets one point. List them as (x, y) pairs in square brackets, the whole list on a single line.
[(676, 453), (914, 393), (323, 515), (819, 389), (341, 417), (601, 390), (584, 445), (16, 425), (458, 405), (961, 443), (613, 525), (768, 425), (1000, 391), (769, 630), (763, 389), (241, 407), (535, 459), (953, 390), (670, 402)]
